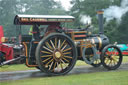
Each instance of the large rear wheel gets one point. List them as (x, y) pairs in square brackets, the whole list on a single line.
[(56, 54)]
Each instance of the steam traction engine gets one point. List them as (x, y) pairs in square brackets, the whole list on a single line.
[(56, 51)]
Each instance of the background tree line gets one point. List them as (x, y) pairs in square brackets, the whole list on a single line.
[(115, 31)]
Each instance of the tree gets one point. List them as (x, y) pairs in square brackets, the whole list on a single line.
[(9, 8), (122, 30), (7, 14)]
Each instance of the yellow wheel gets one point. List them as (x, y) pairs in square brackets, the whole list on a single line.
[(56, 54), (111, 57)]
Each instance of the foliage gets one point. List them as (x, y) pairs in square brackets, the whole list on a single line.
[(122, 30), (118, 30), (9, 8)]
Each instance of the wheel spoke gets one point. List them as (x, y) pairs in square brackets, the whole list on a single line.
[(68, 57), (46, 52), (63, 62), (63, 47), (51, 65), (65, 59), (54, 66), (110, 63), (114, 60), (47, 49), (117, 57), (62, 44), (107, 60), (114, 52), (55, 42), (52, 44), (57, 67), (46, 59), (67, 49), (49, 45), (67, 53), (59, 44), (113, 63), (49, 62), (46, 56), (61, 65), (108, 53)]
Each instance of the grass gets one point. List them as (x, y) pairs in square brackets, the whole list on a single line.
[(19, 67), (16, 67), (98, 78), (125, 59)]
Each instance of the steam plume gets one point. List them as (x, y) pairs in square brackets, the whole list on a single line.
[(116, 11), (85, 19)]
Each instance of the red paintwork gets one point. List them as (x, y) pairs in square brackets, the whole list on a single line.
[(79, 35), (116, 53), (123, 53), (1, 33), (5, 48)]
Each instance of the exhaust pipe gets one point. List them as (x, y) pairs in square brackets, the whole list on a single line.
[(100, 21)]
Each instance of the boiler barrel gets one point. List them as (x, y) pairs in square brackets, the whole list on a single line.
[(100, 41)]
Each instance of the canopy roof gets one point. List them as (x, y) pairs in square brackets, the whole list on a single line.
[(41, 19)]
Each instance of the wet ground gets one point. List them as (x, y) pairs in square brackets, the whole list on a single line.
[(17, 75)]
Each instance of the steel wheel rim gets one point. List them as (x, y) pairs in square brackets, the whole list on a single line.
[(59, 55), (111, 57)]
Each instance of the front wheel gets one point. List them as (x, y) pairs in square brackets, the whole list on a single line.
[(111, 57), (56, 54)]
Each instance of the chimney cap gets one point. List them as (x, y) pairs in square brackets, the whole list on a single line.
[(100, 12)]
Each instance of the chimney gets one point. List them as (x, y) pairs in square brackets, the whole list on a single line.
[(100, 21)]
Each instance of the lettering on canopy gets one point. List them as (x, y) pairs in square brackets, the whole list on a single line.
[(43, 20)]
